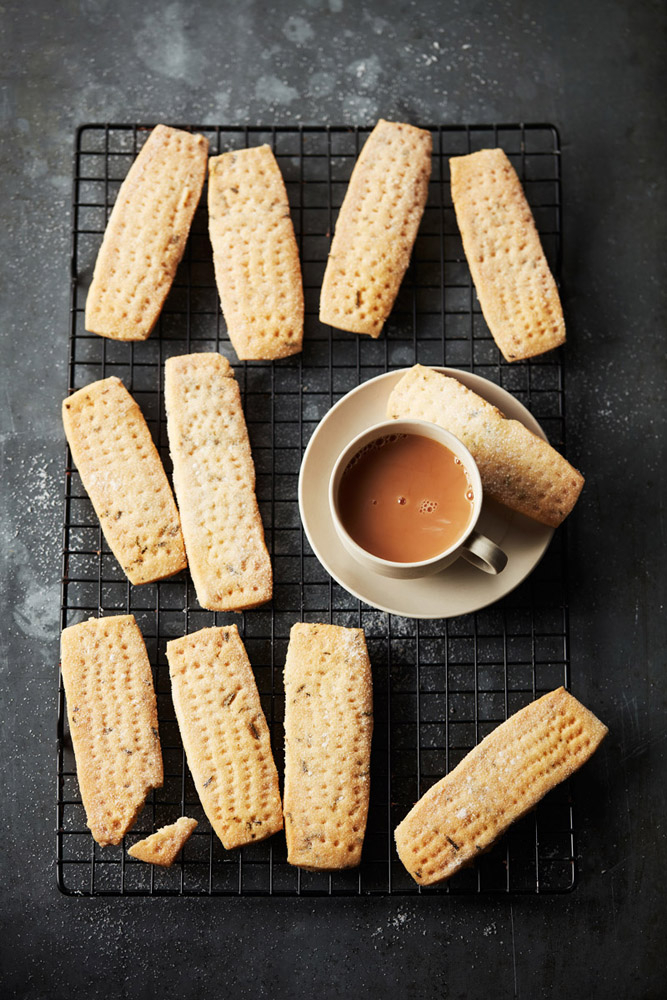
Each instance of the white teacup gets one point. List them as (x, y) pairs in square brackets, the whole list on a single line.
[(474, 547)]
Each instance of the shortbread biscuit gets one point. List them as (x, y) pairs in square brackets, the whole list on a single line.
[(515, 287), (225, 735), (328, 729), (146, 235), (517, 467), (163, 846), (122, 473), (256, 258), (112, 721), (495, 784), (376, 228), (214, 481)]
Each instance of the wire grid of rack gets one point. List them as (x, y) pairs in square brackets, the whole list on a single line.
[(439, 685)]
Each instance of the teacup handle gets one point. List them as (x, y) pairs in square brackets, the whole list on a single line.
[(484, 554)]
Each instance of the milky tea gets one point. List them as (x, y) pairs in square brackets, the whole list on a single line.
[(405, 498)]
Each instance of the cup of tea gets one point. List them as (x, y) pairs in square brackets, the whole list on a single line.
[(405, 497)]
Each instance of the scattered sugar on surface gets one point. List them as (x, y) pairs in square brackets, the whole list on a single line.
[(30, 539), (399, 919), (404, 920)]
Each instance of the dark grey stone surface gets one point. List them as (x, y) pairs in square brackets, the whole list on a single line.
[(596, 70)]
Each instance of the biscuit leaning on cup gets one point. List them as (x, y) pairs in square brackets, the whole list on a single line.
[(517, 467)]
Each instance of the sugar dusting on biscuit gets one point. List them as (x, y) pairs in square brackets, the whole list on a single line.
[(112, 716), (504, 777), (376, 228), (328, 728), (514, 284), (214, 481)]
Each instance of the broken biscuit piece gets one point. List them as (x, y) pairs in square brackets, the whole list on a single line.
[(163, 846)]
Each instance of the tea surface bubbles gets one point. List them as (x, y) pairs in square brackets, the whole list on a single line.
[(405, 498)]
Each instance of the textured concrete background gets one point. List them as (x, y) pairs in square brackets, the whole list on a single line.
[(596, 70)]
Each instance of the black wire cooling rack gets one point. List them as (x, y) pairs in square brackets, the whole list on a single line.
[(439, 686)]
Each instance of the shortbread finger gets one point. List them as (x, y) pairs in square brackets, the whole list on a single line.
[(146, 235), (515, 287), (163, 847), (122, 473), (112, 721), (517, 467), (214, 480), (376, 228), (328, 728), (256, 258), (225, 735), (495, 784)]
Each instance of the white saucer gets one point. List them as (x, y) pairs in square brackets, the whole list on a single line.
[(461, 588)]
